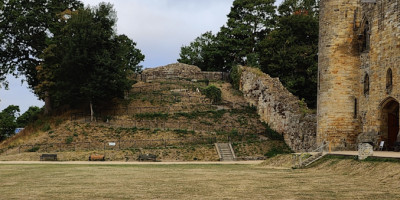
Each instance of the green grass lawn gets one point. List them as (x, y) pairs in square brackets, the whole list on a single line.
[(41, 181)]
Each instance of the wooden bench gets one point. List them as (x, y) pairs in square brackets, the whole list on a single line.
[(97, 158), (48, 157), (147, 157)]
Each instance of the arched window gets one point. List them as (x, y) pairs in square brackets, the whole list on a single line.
[(389, 80), (366, 84), (366, 37)]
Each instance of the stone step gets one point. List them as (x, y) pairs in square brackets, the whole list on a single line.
[(225, 151)]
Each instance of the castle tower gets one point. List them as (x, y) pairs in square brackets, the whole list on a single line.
[(338, 74)]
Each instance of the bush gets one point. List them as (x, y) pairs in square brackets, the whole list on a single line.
[(213, 92), (157, 115), (33, 149), (46, 127), (69, 140), (183, 132)]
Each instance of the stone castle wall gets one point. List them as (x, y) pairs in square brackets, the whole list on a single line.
[(280, 109), (180, 70), (353, 89), (338, 76), (384, 53)]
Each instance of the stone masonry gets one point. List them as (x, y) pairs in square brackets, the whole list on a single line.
[(280, 109), (180, 70), (359, 56)]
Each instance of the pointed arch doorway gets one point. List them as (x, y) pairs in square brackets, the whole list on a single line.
[(390, 122)]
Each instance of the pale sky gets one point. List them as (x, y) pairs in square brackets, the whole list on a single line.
[(159, 27)]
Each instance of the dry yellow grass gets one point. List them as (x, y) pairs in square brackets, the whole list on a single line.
[(327, 181)]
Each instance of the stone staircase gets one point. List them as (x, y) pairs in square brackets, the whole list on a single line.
[(225, 151), (312, 159), (318, 154)]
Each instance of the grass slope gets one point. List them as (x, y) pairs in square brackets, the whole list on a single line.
[(189, 116)]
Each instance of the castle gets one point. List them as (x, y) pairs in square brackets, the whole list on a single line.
[(359, 73)]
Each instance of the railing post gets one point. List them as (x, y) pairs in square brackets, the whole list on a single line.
[(301, 160)]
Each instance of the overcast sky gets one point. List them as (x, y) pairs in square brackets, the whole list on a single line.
[(159, 27)]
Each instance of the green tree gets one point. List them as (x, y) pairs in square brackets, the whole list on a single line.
[(8, 122), (249, 21), (290, 50), (25, 26), (87, 62), (31, 115), (205, 52)]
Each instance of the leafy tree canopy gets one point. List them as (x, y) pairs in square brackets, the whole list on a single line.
[(31, 115), (88, 61), (283, 45), (69, 54), (25, 26), (290, 50), (8, 122)]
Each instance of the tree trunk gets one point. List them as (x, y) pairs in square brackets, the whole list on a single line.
[(91, 111), (47, 103)]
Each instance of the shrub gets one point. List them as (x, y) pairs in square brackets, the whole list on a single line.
[(158, 115), (46, 127), (213, 92), (234, 133), (33, 149), (183, 131), (69, 140)]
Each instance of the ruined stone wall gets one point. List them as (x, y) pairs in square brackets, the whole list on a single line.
[(280, 109), (180, 70), (383, 54), (338, 74)]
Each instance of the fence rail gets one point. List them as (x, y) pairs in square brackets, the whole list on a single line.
[(176, 125), (176, 98), (149, 109), (99, 114), (166, 86), (111, 145)]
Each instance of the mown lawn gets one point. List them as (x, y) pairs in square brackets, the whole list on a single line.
[(41, 181)]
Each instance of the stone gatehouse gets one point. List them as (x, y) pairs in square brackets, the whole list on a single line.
[(359, 72)]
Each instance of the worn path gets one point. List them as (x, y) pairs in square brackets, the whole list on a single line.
[(131, 163)]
